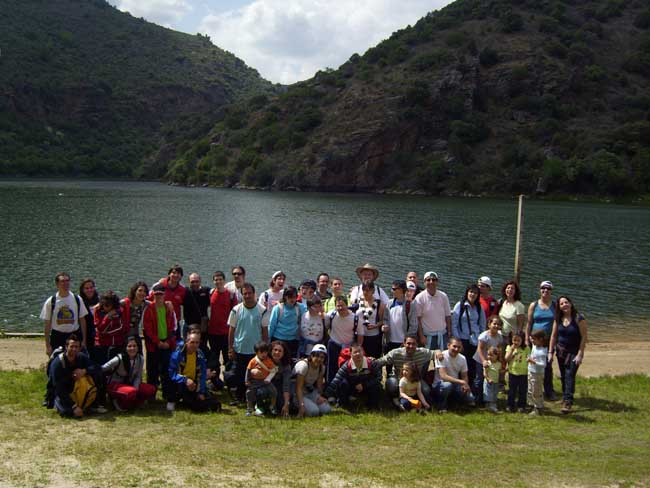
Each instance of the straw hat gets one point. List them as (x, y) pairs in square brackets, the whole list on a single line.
[(370, 267)]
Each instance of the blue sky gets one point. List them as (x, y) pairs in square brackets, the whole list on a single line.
[(286, 40)]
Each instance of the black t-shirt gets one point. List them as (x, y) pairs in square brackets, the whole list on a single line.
[(195, 304)]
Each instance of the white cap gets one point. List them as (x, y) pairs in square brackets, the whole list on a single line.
[(430, 274), (485, 280), (277, 273)]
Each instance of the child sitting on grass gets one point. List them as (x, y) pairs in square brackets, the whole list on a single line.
[(491, 379), (517, 358), (410, 390), (259, 373)]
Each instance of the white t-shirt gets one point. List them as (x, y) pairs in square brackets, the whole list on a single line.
[(274, 299), (311, 374), (311, 328), (454, 366), (230, 286), (66, 316), (397, 323), (341, 328), (432, 311), (489, 342)]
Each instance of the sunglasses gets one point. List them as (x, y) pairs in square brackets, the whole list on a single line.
[(237, 273)]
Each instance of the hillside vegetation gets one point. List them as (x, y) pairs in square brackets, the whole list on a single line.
[(89, 90), (484, 96)]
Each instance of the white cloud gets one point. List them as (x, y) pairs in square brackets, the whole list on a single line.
[(290, 40), (163, 12)]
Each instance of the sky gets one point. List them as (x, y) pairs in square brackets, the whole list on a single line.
[(286, 40)]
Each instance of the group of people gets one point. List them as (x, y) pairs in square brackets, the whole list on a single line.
[(301, 349)]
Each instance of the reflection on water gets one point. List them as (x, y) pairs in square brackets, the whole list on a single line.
[(119, 232)]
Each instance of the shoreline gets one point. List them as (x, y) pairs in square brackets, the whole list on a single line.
[(601, 359)]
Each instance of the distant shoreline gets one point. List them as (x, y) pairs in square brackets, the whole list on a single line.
[(635, 200)]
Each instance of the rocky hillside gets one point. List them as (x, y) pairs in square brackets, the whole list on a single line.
[(88, 90), (484, 96)]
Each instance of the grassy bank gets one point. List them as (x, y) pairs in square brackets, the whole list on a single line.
[(605, 442)]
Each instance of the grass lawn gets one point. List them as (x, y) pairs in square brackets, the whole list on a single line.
[(605, 442)]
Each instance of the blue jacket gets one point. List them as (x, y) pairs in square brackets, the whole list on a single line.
[(285, 321), (177, 363)]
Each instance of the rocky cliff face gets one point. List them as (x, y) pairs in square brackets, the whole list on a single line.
[(482, 97)]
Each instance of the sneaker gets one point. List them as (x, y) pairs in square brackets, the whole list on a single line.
[(423, 411), (493, 409), (331, 399), (273, 411), (442, 411), (510, 409), (171, 406), (248, 413), (535, 412), (234, 403), (566, 408), (116, 406), (259, 412), (98, 409), (521, 410)]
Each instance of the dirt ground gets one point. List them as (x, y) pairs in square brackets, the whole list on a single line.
[(600, 358)]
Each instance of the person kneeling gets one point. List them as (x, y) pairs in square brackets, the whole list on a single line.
[(310, 375), (187, 371), (451, 380), (125, 386), (357, 376), (71, 374)]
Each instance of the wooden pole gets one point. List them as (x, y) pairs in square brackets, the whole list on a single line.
[(520, 225)]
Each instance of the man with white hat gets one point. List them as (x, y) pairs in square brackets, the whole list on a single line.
[(434, 314), (366, 274), (488, 302)]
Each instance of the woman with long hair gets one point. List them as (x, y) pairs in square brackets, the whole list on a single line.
[(568, 341)]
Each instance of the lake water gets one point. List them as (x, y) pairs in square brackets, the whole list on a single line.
[(120, 232)]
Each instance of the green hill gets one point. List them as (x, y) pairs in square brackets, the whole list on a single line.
[(484, 96), (88, 90)]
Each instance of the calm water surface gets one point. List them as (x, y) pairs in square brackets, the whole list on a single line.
[(120, 232)]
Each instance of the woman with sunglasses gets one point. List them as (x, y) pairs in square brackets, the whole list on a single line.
[(541, 313)]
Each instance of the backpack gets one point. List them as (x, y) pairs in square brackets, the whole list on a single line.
[(344, 356), (53, 304)]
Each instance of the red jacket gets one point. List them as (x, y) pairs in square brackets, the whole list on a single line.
[(150, 326), (220, 306), (175, 295), (111, 331)]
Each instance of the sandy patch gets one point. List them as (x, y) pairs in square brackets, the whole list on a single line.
[(601, 358)]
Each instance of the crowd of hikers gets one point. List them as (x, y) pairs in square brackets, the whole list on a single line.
[(300, 351)]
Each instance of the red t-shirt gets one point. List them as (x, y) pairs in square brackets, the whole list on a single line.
[(220, 306), (489, 306)]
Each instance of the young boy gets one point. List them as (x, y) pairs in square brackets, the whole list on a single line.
[(259, 373), (536, 364)]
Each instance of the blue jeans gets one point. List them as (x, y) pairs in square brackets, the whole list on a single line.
[(444, 391), (490, 391), (568, 371)]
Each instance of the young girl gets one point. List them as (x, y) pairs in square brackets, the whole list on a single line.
[(491, 379), (489, 338), (410, 391), (517, 359)]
